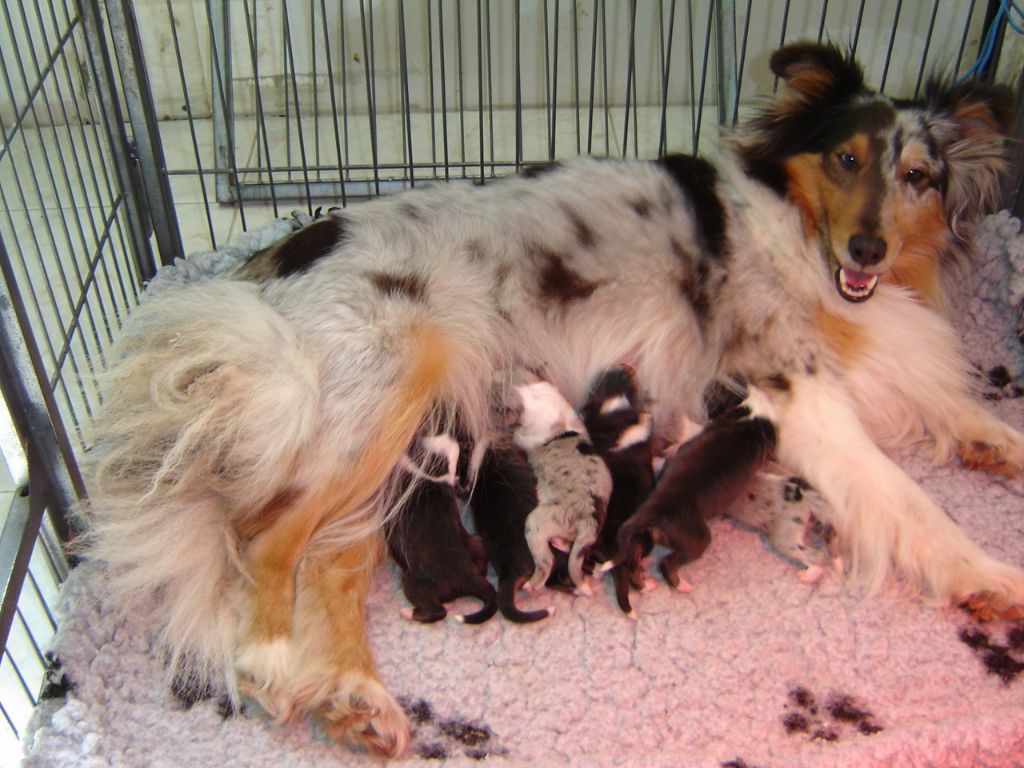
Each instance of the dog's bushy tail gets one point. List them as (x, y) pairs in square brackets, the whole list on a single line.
[(191, 438)]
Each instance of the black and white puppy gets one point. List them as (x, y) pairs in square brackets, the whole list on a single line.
[(439, 558), (702, 479), (620, 425)]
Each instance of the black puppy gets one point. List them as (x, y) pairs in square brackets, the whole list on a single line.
[(439, 558), (702, 479), (620, 430), (502, 498)]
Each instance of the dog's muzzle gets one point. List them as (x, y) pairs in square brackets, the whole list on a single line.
[(855, 286)]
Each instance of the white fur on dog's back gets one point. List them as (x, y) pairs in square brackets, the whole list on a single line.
[(192, 416)]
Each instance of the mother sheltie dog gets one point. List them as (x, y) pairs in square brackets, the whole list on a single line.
[(247, 456)]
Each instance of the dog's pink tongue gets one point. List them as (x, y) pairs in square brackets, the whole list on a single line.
[(857, 279)]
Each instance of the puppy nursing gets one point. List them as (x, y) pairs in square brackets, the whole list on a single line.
[(573, 483), (440, 560)]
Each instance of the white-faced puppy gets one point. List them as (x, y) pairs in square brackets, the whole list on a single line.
[(440, 560), (254, 424), (573, 482), (701, 480), (503, 496), (620, 428)]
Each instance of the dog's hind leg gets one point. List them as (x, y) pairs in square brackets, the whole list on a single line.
[(274, 552), (883, 519), (538, 534), (586, 534), (333, 675)]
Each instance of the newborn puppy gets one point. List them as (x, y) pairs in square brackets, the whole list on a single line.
[(440, 560), (785, 509), (573, 482), (790, 513), (502, 497), (620, 430), (702, 479)]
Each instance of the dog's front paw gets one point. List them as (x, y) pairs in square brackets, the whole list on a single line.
[(360, 712), (263, 672), (1005, 460), (988, 606)]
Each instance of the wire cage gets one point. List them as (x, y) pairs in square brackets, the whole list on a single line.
[(137, 132)]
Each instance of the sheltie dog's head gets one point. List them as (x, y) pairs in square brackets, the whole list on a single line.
[(890, 188)]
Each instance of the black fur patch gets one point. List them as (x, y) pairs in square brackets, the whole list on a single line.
[(693, 286), (777, 381), (698, 180), (411, 212), (409, 286), (781, 136), (301, 250), (560, 283), (642, 207), (585, 236), (533, 170), (476, 250)]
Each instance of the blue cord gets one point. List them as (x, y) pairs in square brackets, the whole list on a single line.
[(1007, 9)]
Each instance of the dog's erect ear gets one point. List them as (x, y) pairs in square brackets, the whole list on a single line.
[(982, 110), (969, 121), (818, 72)]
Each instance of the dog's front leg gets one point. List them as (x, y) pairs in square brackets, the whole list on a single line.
[(987, 443), (884, 520)]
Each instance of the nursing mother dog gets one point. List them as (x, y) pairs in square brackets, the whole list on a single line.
[(250, 451)]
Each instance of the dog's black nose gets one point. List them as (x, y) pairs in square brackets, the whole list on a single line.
[(866, 250)]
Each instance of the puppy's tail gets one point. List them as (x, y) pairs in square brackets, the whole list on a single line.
[(507, 589), (634, 541), (483, 591)]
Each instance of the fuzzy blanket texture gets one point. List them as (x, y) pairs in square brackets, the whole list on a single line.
[(753, 668)]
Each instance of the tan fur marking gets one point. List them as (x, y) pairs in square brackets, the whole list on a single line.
[(847, 339), (810, 81), (923, 228), (274, 553), (802, 172)]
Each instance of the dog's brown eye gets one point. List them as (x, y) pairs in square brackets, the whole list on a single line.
[(848, 161), (916, 177)]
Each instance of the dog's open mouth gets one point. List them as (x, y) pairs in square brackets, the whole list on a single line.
[(855, 286)]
